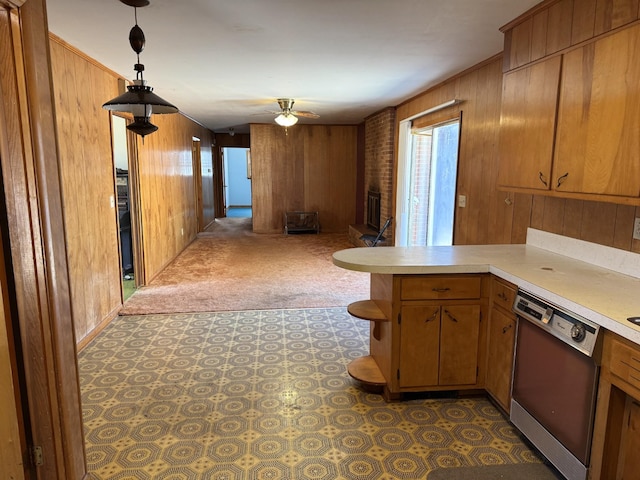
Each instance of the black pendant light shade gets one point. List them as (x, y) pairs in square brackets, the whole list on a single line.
[(136, 98), (142, 126), (139, 98)]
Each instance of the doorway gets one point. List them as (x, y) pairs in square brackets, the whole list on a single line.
[(237, 182), (124, 199), (429, 175)]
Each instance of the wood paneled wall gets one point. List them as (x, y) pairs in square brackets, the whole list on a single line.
[(86, 165), (310, 168), (492, 216), (167, 189)]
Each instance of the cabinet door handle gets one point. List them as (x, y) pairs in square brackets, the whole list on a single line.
[(432, 317), (562, 179), (502, 297), (507, 328), (451, 317), (542, 179), (440, 290)]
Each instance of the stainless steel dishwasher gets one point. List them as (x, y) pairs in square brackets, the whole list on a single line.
[(555, 382)]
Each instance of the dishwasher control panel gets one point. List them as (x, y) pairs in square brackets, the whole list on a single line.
[(569, 327)]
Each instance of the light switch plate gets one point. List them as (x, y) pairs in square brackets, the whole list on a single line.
[(636, 229), (462, 201)]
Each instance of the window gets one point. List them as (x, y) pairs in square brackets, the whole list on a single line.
[(431, 192)]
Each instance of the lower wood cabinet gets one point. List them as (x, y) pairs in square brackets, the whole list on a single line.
[(501, 339), (438, 345), (433, 335), (501, 336), (616, 436)]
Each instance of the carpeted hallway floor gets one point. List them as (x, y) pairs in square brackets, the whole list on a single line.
[(259, 395), (231, 268)]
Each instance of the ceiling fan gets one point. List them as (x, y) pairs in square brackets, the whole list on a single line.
[(287, 117)]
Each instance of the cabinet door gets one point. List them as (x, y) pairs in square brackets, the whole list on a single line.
[(459, 334), (527, 125), (597, 145), (419, 346), (502, 329), (629, 464)]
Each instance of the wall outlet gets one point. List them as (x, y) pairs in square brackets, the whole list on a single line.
[(462, 201), (112, 202), (636, 229), (182, 232)]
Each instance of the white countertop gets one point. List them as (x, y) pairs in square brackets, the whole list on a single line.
[(602, 295)]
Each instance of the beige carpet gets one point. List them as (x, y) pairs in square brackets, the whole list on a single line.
[(231, 268)]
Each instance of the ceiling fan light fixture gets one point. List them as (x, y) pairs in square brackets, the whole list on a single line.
[(286, 119)]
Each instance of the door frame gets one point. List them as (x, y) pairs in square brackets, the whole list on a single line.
[(37, 265)]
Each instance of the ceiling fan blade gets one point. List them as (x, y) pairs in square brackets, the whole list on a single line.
[(306, 114)]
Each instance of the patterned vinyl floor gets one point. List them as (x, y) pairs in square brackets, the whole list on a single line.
[(258, 395)]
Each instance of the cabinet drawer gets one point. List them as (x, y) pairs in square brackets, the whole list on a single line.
[(625, 363), (440, 288), (502, 294)]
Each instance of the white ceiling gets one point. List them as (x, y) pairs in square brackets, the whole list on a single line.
[(225, 62)]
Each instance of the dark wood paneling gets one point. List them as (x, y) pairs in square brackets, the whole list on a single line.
[(598, 223), (521, 41), (623, 230), (167, 189), (572, 218), (583, 22), (612, 14), (308, 168), (559, 26)]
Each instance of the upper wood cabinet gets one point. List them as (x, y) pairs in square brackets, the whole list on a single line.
[(527, 125), (571, 101), (554, 25), (597, 147), (569, 123)]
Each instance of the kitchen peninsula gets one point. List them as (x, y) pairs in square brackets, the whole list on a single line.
[(431, 311)]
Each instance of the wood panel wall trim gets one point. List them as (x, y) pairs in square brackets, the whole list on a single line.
[(457, 76), (529, 13), (12, 3), (54, 38), (82, 344), (34, 210)]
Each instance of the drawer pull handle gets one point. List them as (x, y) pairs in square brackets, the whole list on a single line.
[(451, 317), (562, 179), (432, 317), (440, 290), (507, 328), (502, 296), (542, 179)]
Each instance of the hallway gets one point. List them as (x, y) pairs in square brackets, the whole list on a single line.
[(230, 268)]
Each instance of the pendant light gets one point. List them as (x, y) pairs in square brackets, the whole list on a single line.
[(139, 98)]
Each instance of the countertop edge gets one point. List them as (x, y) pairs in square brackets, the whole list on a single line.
[(402, 265)]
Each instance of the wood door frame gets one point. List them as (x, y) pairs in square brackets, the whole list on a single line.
[(196, 164), (41, 293)]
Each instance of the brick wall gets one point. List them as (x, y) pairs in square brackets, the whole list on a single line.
[(379, 153)]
